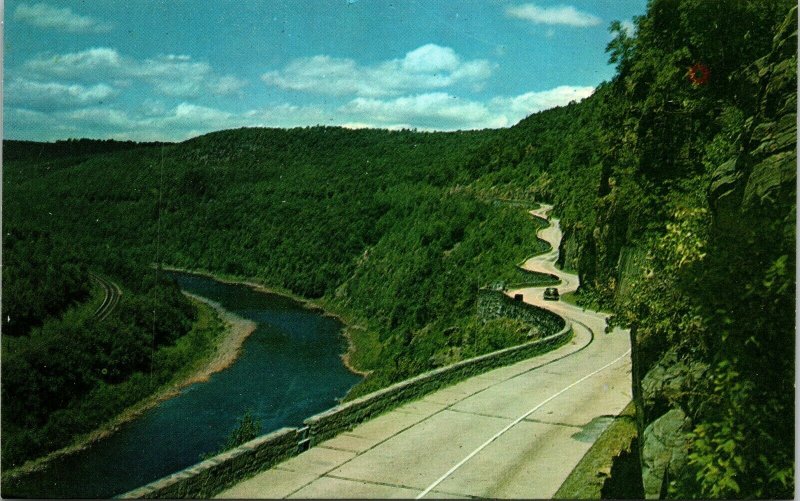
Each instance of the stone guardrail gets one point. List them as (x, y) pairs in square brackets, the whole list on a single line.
[(209, 477), (495, 304), (214, 475), (347, 415)]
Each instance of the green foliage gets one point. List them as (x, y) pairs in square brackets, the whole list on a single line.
[(368, 220), (620, 47), (737, 453), (77, 149), (74, 372), (41, 279), (629, 170), (684, 242), (247, 428)]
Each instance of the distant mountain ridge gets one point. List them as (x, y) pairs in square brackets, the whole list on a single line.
[(19, 150)]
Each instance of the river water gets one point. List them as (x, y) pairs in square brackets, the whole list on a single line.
[(289, 369)]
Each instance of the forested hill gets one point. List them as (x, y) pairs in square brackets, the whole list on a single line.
[(376, 224), (674, 182)]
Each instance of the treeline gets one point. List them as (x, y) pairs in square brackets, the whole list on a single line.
[(64, 371), (417, 288), (21, 150), (293, 208)]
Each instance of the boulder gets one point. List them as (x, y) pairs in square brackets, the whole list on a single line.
[(664, 451)]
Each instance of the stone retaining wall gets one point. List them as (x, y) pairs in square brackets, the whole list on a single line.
[(346, 416), (209, 477), (494, 304)]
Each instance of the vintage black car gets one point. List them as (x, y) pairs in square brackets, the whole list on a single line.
[(551, 294)]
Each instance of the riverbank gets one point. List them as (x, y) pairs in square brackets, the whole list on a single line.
[(233, 330), (237, 329), (323, 308), (347, 357), (236, 280)]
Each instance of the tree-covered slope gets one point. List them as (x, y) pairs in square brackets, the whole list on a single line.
[(369, 222)]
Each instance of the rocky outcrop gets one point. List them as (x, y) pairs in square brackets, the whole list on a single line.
[(765, 171), (755, 188), (674, 382), (570, 249), (664, 452)]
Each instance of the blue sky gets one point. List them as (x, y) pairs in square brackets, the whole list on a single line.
[(170, 70)]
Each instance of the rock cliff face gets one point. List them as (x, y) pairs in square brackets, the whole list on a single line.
[(753, 190), (753, 184)]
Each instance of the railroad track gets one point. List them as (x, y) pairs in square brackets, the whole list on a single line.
[(112, 294)]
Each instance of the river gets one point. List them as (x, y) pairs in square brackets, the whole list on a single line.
[(289, 369)]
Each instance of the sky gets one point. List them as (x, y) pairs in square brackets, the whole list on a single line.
[(151, 70)]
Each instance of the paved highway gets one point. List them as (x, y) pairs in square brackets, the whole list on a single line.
[(513, 432)]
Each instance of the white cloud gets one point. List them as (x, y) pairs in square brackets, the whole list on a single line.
[(629, 27), (430, 58), (518, 107), (54, 95), (227, 84), (155, 121), (108, 118), (99, 62), (172, 75), (192, 114), (179, 76), (177, 123), (558, 15), (46, 16), (442, 111), (291, 115), (424, 110), (428, 67)]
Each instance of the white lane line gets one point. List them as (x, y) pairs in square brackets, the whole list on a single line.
[(514, 423)]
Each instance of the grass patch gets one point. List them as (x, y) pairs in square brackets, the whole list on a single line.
[(84, 311), (96, 296), (582, 301), (192, 351), (587, 479), (525, 278), (364, 353), (571, 298)]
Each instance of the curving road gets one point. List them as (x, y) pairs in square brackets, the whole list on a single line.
[(513, 432), (110, 300)]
